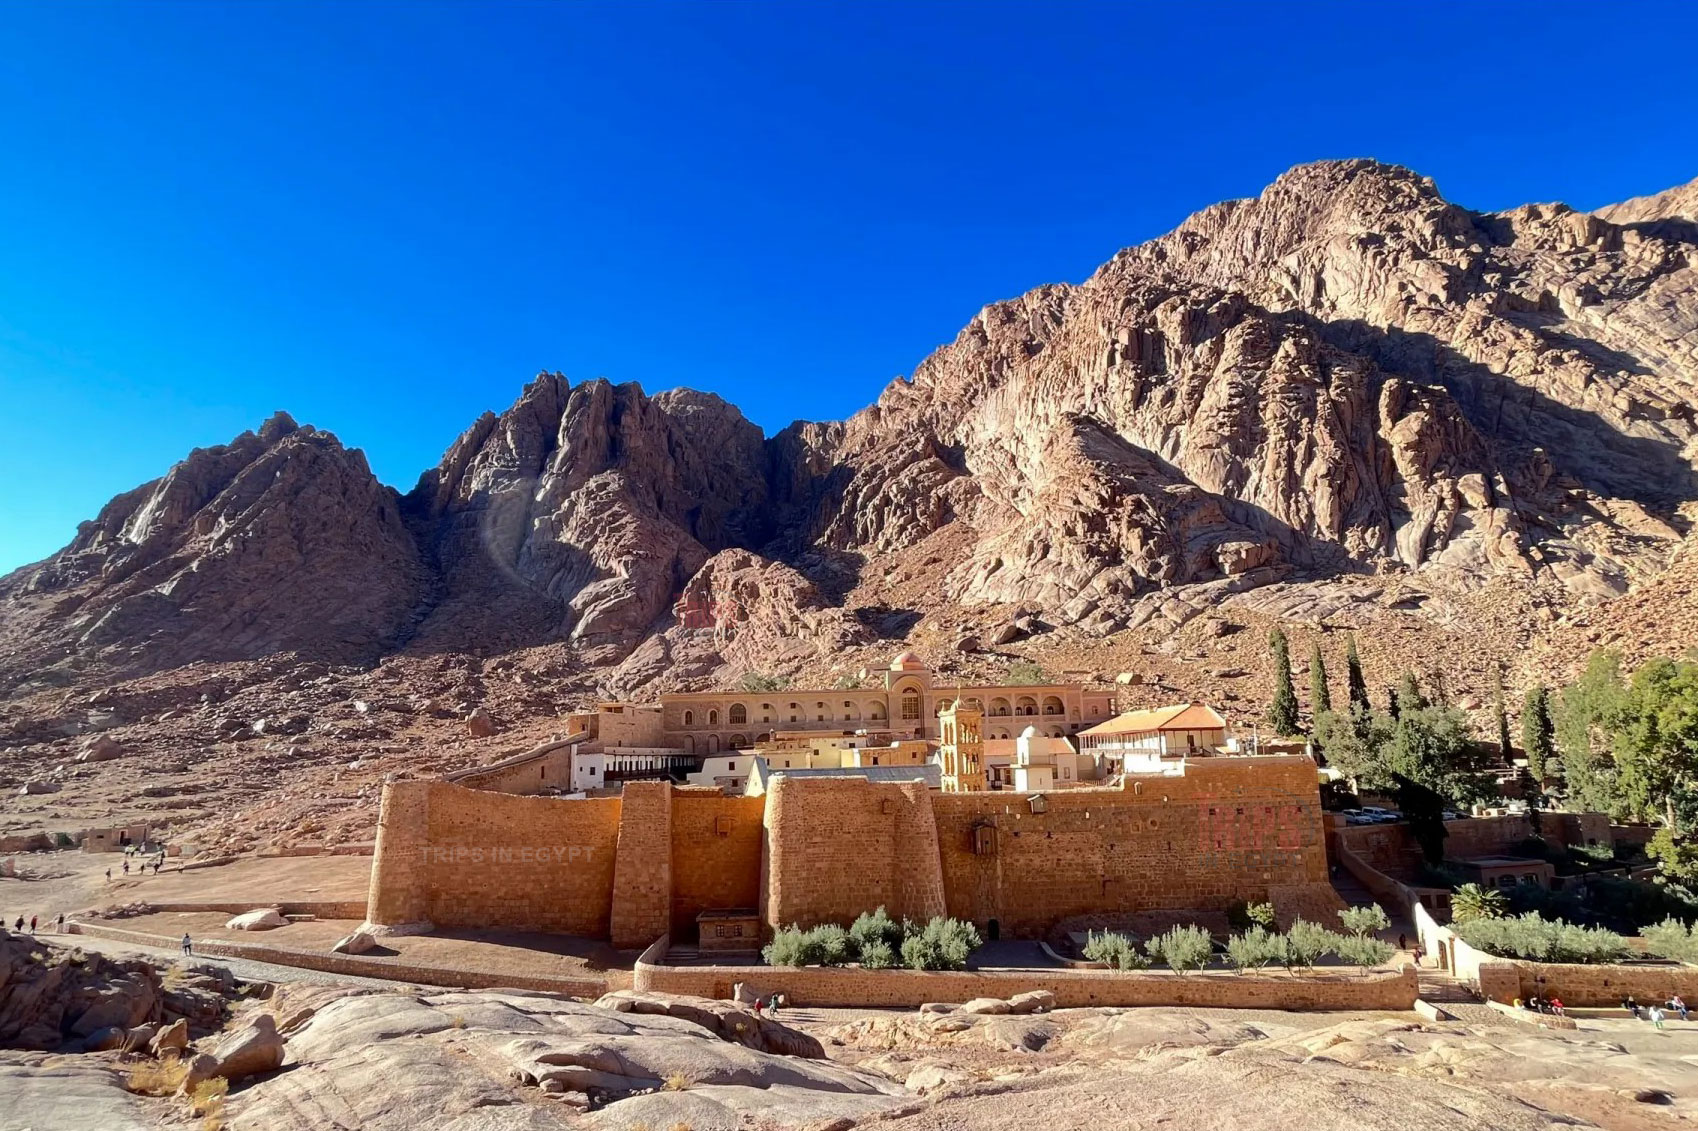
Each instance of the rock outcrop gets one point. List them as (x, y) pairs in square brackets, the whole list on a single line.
[(1347, 392)]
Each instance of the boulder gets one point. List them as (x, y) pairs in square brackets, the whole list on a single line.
[(934, 1075), (937, 1007), (262, 919), (202, 1066), (256, 1047), (986, 1006), (357, 943), (1032, 1001), (1007, 634), (1129, 679), (171, 1040), (34, 787), (102, 749), (104, 1040), (479, 724)]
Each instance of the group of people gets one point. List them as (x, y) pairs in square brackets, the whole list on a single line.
[(1552, 1005), (1655, 1013), (771, 1004), (34, 922)]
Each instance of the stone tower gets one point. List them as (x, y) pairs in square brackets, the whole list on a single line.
[(961, 748)]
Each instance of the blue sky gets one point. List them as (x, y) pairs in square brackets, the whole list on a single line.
[(385, 218)]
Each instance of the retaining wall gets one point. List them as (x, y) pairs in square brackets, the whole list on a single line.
[(851, 987)]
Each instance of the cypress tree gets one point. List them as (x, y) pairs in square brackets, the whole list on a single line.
[(1537, 731), (1408, 695), (1320, 698), (1353, 676), (1282, 715), (1499, 715)]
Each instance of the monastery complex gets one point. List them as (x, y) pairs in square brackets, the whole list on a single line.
[(1018, 808)]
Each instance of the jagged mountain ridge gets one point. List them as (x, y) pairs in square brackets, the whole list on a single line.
[(1345, 376)]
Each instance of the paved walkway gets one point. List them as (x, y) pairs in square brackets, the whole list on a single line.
[(243, 968)]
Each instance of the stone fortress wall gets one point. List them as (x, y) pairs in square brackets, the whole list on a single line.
[(812, 850)]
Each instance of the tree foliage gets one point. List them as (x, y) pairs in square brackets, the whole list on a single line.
[(1537, 939), (1355, 681), (1182, 948), (1282, 713), (1471, 901), (1025, 673), (1537, 733), (1320, 696), (1115, 950), (1364, 919)]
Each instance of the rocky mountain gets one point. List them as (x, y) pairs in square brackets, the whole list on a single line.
[(1344, 399)]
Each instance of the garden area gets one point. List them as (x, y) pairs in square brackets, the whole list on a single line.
[(1492, 920), (875, 941)]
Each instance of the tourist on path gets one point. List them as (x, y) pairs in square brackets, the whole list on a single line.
[(61, 927), (20, 926), (108, 875), (1657, 1016), (188, 948), (33, 919)]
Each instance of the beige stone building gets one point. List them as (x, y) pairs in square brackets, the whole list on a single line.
[(906, 703)]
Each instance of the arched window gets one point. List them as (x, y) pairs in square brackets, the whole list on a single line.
[(713, 718), (738, 741), (1025, 705), (876, 712), (910, 706), (975, 703), (1053, 706), (690, 743), (689, 718), (999, 706), (738, 715), (713, 742)]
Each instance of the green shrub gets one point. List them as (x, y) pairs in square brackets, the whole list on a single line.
[(1306, 943), (1182, 948), (1254, 949), (876, 926), (1242, 916), (1114, 949), (1364, 920), (1537, 939), (1672, 939), (877, 955), (943, 944), (1364, 950), (830, 945), (827, 945), (785, 949)]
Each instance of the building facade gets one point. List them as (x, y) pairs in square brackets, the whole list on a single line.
[(906, 704)]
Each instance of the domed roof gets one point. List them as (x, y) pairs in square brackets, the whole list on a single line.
[(1029, 732), (907, 662)]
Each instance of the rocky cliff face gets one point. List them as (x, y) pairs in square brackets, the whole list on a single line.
[(1346, 377), (280, 541)]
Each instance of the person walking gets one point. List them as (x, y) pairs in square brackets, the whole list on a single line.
[(126, 866), (108, 875), (1402, 942), (33, 919), (61, 927), (1657, 1016), (188, 947), (20, 925)]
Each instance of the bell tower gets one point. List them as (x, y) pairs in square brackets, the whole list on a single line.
[(961, 748)]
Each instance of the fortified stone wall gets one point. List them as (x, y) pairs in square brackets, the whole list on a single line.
[(841, 846), (462, 857), (1226, 831), (1392, 850), (819, 850), (717, 845), (536, 771)]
